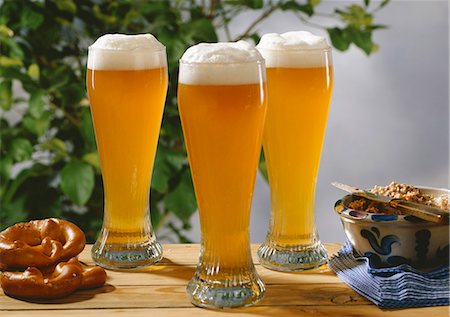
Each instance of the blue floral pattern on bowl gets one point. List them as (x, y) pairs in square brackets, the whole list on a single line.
[(390, 240)]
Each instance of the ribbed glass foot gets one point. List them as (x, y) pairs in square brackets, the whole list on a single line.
[(292, 258), (217, 294), (116, 255)]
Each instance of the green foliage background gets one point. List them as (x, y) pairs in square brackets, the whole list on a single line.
[(43, 53)]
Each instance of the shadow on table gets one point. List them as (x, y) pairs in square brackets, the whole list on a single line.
[(267, 311), (166, 268)]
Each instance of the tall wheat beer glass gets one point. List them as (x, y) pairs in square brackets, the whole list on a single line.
[(127, 85), (299, 79), (221, 99)]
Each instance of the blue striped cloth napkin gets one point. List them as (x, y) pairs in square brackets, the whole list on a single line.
[(395, 287)]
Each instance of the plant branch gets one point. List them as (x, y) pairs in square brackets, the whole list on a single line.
[(225, 24), (325, 15), (307, 22), (261, 18)]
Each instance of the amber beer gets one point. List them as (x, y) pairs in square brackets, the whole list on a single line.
[(222, 110), (127, 89), (300, 84)]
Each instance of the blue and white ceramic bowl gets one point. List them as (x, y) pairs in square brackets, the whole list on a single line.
[(391, 240)]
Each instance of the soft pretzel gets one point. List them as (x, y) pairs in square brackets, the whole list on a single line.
[(65, 279), (92, 276), (32, 284), (39, 243)]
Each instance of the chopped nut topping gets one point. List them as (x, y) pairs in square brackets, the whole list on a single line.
[(399, 191), (411, 193)]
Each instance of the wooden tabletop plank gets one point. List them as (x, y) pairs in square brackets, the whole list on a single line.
[(286, 311), (143, 296), (180, 275), (187, 254), (159, 290)]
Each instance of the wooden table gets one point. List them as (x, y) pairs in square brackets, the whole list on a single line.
[(160, 291)]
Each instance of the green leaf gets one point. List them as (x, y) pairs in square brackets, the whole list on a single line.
[(5, 95), (176, 159), (6, 61), (153, 7), (87, 128), (356, 16), (93, 159), (30, 18), (172, 128), (5, 168), (339, 38), (55, 145), (21, 149), (66, 5), (375, 48), (201, 30), (255, 37), (383, 3), (263, 166), (24, 175), (155, 213), (366, 3), (33, 71), (37, 126), (14, 73), (77, 181), (362, 39), (13, 212), (252, 4), (72, 94), (6, 31), (36, 104), (161, 172), (313, 2), (181, 200), (295, 6), (15, 51), (105, 18), (256, 4), (376, 27)]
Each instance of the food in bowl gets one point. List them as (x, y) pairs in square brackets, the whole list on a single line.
[(370, 206), (399, 191), (390, 239), (414, 194)]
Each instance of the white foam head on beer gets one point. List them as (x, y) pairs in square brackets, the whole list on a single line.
[(126, 52), (224, 63), (293, 49)]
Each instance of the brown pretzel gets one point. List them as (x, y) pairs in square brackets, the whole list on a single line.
[(32, 284), (39, 243), (65, 279), (92, 276)]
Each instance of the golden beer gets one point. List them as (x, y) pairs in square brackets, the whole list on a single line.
[(220, 124), (223, 121), (300, 85), (127, 106)]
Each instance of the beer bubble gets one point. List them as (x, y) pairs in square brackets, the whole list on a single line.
[(224, 63), (296, 49), (126, 52)]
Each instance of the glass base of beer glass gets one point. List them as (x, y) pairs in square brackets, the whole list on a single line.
[(292, 258), (221, 294), (134, 253)]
